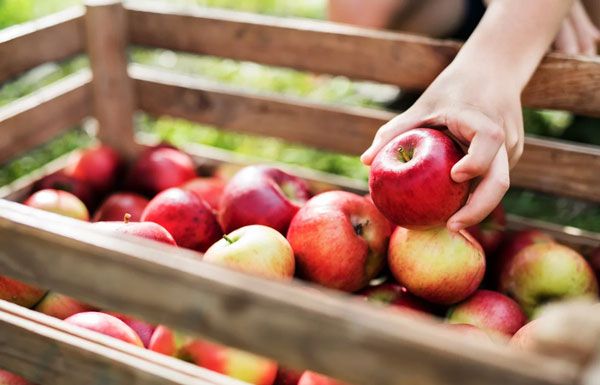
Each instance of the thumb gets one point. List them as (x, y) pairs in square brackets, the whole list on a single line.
[(386, 133)]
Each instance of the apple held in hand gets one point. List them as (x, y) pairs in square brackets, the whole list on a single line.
[(396, 296), (209, 188), (61, 306), (98, 166), (58, 202), (261, 195), (546, 272), (186, 217), (437, 265), (339, 240), (410, 180), (490, 311), (19, 292), (256, 249), (105, 324), (117, 205), (490, 232)]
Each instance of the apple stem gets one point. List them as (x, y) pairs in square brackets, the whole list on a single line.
[(404, 154), (226, 237), (126, 218)]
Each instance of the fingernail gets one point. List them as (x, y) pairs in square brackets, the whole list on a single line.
[(460, 177)]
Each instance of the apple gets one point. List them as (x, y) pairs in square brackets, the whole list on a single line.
[(58, 202), (143, 329), (61, 181), (98, 166), (105, 324), (490, 311), (186, 217), (8, 378), (147, 230), (208, 188), (255, 249), (511, 246), (396, 296), (410, 180), (117, 205), (160, 168), (312, 378), (163, 341), (287, 376), (490, 232), (60, 306), (339, 240), (437, 265), (19, 292), (261, 195), (546, 272), (231, 362)]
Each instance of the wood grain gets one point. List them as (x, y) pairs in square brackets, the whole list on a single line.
[(112, 92), (561, 82), (34, 119), (354, 341), (52, 38), (48, 351), (547, 165)]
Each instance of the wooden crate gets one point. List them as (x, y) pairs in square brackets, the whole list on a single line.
[(298, 324)]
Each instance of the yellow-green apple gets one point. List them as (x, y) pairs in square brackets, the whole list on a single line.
[(143, 329), (189, 219), (19, 292), (339, 240), (160, 168), (61, 306), (490, 232), (437, 265), (163, 341), (410, 180), (546, 272), (148, 230), (61, 181), (58, 202), (117, 205), (261, 195), (287, 376), (105, 324), (8, 378), (255, 249), (208, 188), (396, 296), (495, 313), (312, 378), (231, 362), (98, 166)]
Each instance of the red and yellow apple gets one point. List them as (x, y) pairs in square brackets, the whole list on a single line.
[(19, 292), (58, 202), (61, 306), (105, 324), (396, 296), (147, 230)]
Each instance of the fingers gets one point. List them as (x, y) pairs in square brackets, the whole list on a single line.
[(486, 196), (587, 33), (386, 133), (566, 40)]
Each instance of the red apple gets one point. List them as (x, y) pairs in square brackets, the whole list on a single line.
[(209, 188), (61, 181), (256, 249), (143, 329), (163, 341), (148, 230), (512, 244), (160, 168), (410, 180), (8, 378), (287, 376), (60, 306), (490, 232), (546, 272), (490, 311), (396, 296), (339, 240), (117, 205), (19, 292), (188, 218), (312, 378), (105, 324), (98, 166), (58, 202), (261, 195), (230, 362), (437, 265)]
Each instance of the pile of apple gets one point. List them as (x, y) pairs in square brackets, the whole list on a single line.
[(390, 248)]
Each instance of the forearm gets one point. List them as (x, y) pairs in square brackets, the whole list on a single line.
[(511, 39)]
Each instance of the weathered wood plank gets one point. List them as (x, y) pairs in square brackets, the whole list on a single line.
[(52, 38), (48, 351), (547, 165), (34, 119), (353, 341), (407, 61)]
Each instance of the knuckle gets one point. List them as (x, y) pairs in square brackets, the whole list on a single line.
[(503, 183), (496, 133)]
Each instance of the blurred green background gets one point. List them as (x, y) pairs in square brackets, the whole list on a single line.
[(251, 76)]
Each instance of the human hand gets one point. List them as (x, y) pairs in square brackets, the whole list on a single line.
[(480, 113), (577, 34)]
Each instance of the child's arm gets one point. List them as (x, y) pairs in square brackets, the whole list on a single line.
[(478, 98)]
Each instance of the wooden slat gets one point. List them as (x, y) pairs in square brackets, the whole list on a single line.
[(32, 120), (353, 341), (407, 61), (547, 165), (48, 351), (52, 38)]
